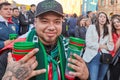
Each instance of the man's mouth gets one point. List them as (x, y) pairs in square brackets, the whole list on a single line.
[(51, 34)]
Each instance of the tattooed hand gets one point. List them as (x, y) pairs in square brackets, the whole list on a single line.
[(22, 69)]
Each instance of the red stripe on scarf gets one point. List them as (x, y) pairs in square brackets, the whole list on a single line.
[(50, 72)]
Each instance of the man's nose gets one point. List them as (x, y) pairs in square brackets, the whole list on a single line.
[(9, 10), (51, 26)]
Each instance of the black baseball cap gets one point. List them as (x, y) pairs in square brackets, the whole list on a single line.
[(49, 5)]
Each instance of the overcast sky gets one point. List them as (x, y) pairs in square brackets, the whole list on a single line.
[(28, 2)]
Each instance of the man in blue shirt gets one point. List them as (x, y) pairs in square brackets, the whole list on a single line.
[(6, 25), (15, 18)]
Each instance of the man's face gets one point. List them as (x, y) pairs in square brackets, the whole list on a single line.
[(6, 11), (48, 27), (90, 14), (33, 8), (16, 13), (23, 8)]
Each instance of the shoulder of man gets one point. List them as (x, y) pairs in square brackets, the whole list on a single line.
[(3, 62), (29, 12)]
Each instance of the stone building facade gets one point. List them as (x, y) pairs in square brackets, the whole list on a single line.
[(109, 6)]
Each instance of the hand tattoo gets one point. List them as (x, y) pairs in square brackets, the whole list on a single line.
[(19, 71)]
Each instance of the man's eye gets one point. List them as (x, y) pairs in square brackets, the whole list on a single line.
[(44, 21), (58, 22), (5, 9)]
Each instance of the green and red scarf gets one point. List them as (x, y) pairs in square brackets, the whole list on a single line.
[(44, 59)]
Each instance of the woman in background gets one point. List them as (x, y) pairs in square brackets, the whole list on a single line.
[(98, 38), (115, 68), (80, 29)]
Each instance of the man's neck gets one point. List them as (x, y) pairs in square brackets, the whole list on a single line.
[(32, 11), (15, 16), (49, 48), (6, 18)]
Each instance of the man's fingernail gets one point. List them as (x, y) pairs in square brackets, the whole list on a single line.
[(9, 53), (36, 49), (44, 70)]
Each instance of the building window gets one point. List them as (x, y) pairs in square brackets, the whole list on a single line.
[(102, 2), (112, 2)]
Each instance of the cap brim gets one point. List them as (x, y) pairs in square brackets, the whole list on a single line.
[(50, 11)]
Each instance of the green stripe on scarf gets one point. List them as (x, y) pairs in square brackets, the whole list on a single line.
[(41, 57)]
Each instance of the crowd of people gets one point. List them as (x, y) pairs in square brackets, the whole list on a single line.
[(50, 30), (14, 20)]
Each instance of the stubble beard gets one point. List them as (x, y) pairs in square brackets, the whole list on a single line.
[(48, 41)]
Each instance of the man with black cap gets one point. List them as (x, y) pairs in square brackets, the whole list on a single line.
[(52, 45)]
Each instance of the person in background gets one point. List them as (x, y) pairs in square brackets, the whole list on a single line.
[(31, 15), (80, 29), (87, 23), (23, 18), (93, 20), (65, 26), (52, 45), (15, 18), (72, 22), (91, 16), (98, 39), (114, 68), (6, 25)]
